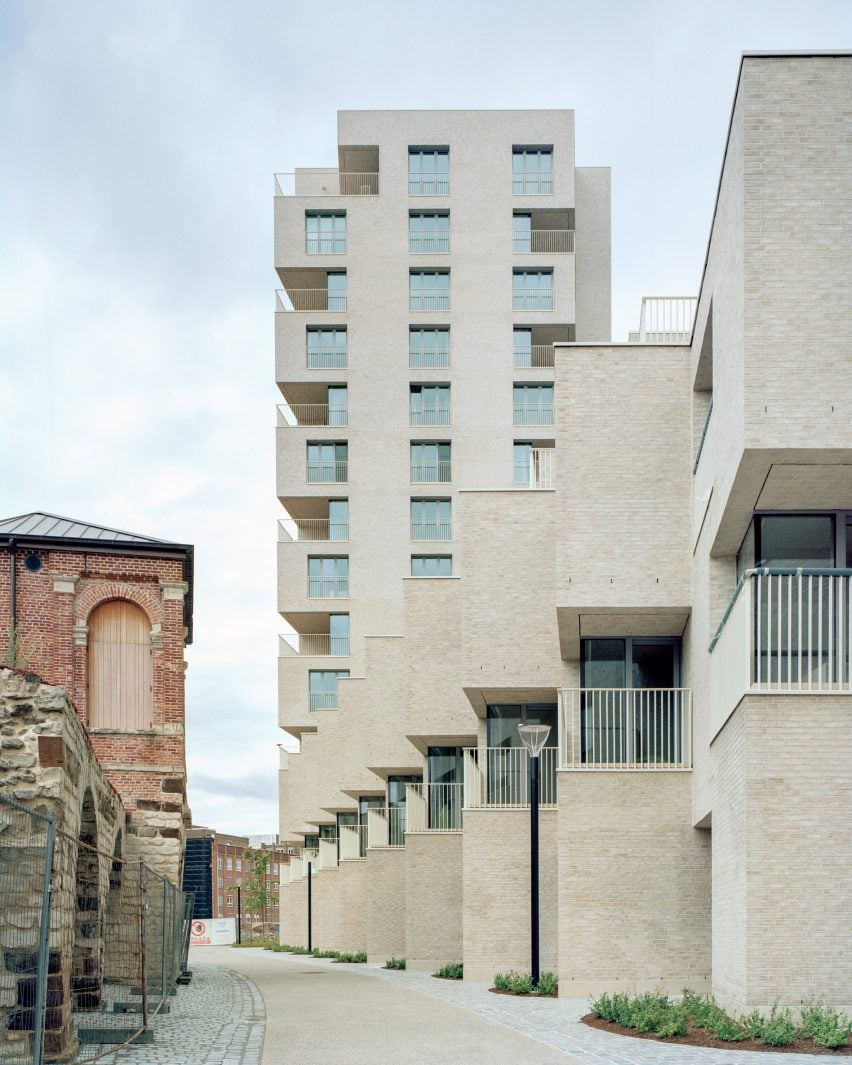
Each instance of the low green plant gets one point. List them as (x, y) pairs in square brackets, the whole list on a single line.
[(352, 958), (300, 950), (548, 984), (325, 953), (516, 983), (825, 1025), (701, 1010), (674, 1023), (728, 1031), (266, 944), (752, 1024), (395, 963), (649, 1011), (778, 1028), (454, 970)]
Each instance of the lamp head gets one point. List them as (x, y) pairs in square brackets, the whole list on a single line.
[(534, 736)]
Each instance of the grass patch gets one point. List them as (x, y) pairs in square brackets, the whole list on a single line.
[(357, 956), (395, 963), (454, 970), (267, 944)]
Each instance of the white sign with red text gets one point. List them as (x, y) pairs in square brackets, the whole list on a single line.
[(217, 931)]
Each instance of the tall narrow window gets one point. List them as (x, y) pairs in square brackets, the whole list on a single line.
[(120, 675), (522, 233), (325, 233), (429, 290), (428, 171), (336, 288), (532, 171), (338, 630), (428, 348)]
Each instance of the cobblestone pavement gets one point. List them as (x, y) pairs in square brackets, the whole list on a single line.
[(218, 1019)]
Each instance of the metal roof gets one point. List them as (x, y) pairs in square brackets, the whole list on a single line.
[(54, 527)]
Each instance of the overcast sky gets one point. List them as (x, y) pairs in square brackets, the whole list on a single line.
[(138, 141)]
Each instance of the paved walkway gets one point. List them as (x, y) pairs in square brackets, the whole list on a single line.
[(315, 1012)]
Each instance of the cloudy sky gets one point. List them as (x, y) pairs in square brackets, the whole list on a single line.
[(138, 139)]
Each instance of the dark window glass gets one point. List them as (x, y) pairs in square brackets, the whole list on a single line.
[(805, 540), (604, 664)]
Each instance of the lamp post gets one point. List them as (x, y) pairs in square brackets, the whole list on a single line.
[(534, 737), (310, 885)]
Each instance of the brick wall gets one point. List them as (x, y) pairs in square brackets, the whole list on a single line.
[(385, 904), (433, 899)]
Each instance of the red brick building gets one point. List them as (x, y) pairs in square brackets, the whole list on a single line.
[(107, 614)]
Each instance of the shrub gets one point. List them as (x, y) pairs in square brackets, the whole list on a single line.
[(778, 1029), (603, 1007), (548, 984), (395, 963), (452, 971), (701, 1010), (521, 983), (503, 981), (357, 956), (648, 1011), (728, 1031), (753, 1024), (324, 953), (675, 1023), (824, 1025), (623, 1010)]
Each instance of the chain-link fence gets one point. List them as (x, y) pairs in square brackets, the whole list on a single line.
[(92, 945)]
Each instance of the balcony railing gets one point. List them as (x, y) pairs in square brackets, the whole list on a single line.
[(429, 242), (626, 728), (322, 701), (326, 359), (532, 299), (310, 299), (325, 245), (537, 472), (499, 777), (316, 644), (429, 301), (343, 183), (428, 358), (532, 184), (427, 472), (533, 355), (666, 319), (533, 414), (295, 529), (328, 852), (328, 587), (434, 807), (431, 530), (353, 842), (294, 415), (543, 241), (431, 416), (429, 185), (336, 472), (785, 631)]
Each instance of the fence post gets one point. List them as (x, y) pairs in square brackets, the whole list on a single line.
[(163, 943), (143, 968), (239, 916), (43, 952)]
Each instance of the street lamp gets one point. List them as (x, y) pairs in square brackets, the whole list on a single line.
[(534, 737)]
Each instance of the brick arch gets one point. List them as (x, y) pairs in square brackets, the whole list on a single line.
[(91, 598)]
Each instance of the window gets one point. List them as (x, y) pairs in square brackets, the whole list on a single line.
[(397, 807), (327, 463), (274, 886), (229, 900), (239, 865), (220, 881), (522, 463), (431, 519), (805, 540), (428, 233), (533, 404), (219, 863), (275, 871), (325, 233), (431, 565), (338, 406), (430, 462), (507, 768), (532, 290), (119, 666), (631, 662), (338, 629), (322, 688), (522, 233), (522, 347), (533, 466), (336, 289), (429, 290), (532, 171), (328, 577), (429, 405), (428, 171), (446, 775), (221, 901), (338, 519), (229, 863), (428, 348), (326, 348)]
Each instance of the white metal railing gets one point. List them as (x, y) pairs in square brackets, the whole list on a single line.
[(785, 630), (543, 241), (328, 852), (532, 299), (626, 728), (428, 242), (434, 807), (429, 301), (428, 358), (499, 777), (328, 587), (537, 471), (322, 701), (296, 869), (317, 644), (431, 530), (325, 245), (666, 319), (293, 415), (325, 359), (295, 529), (427, 472), (310, 299), (377, 827), (429, 417), (532, 184), (340, 183), (533, 355), (353, 842), (397, 825), (336, 472), (428, 185), (533, 414)]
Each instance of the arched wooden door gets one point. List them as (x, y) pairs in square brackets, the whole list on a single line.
[(120, 679)]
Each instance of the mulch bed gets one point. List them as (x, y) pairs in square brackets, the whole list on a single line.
[(697, 1037), (439, 977), (525, 994)]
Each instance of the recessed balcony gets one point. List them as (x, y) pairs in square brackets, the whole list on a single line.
[(543, 232), (434, 807), (535, 470), (665, 320), (498, 777), (532, 346), (299, 415), (313, 644), (293, 530), (356, 175)]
